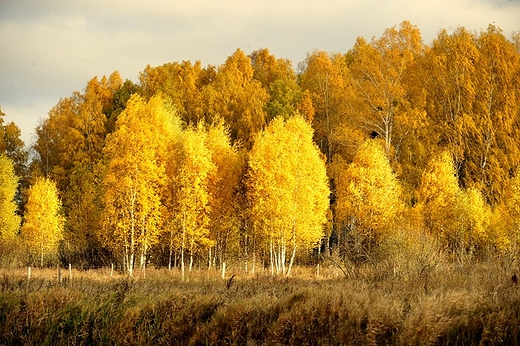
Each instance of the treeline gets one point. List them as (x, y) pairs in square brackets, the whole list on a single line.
[(390, 145)]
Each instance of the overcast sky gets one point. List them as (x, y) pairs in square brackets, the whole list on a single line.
[(48, 49)]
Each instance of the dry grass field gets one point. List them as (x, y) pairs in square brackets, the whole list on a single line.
[(475, 303)]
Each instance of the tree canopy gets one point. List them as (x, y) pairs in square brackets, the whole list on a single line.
[(251, 160)]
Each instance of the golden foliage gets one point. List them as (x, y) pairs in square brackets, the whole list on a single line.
[(238, 98), (9, 219), (287, 189), (379, 69), (224, 182), (161, 182), (328, 81), (43, 223), (438, 196), (135, 175), (193, 197), (460, 219), (369, 195)]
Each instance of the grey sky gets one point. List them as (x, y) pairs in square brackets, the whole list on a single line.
[(48, 49)]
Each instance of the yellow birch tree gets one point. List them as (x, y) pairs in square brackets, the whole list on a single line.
[(179, 83), (438, 197), (511, 213), (42, 229), (135, 156), (379, 69), (369, 196), (238, 98), (224, 185), (460, 219), (288, 190), (9, 219), (191, 168), (278, 78), (328, 80)]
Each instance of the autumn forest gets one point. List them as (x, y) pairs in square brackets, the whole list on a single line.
[(395, 146)]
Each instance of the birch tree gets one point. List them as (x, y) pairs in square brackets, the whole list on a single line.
[(288, 190), (379, 68), (328, 81), (369, 196), (42, 229), (135, 157), (238, 98), (9, 219), (190, 201), (224, 183)]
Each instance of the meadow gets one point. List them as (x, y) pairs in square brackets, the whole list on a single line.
[(476, 302)]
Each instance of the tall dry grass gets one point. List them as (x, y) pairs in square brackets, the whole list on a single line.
[(474, 302)]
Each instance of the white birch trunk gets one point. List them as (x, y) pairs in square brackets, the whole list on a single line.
[(183, 245)]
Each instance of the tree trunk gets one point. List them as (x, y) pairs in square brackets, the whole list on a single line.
[(182, 263), (292, 257), (131, 264), (132, 235), (253, 253), (191, 255), (246, 254), (272, 256), (41, 254), (284, 255), (143, 255), (171, 250), (253, 264), (183, 245), (209, 259), (318, 259)]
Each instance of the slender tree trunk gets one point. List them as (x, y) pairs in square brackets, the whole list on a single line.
[(246, 253), (171, 250), (253, 264), (131, 265), (318, 259), (253, 253), (191, 254), (182, 263), (293, 255), (223, 249), (132, 250), (209, 259), (328, 249), (271, 256), (282, 256), (41, 251), (278, 256), (144, 248), (183, 245), (132, 254), (132, 234), (125, 254), (144, 255)]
